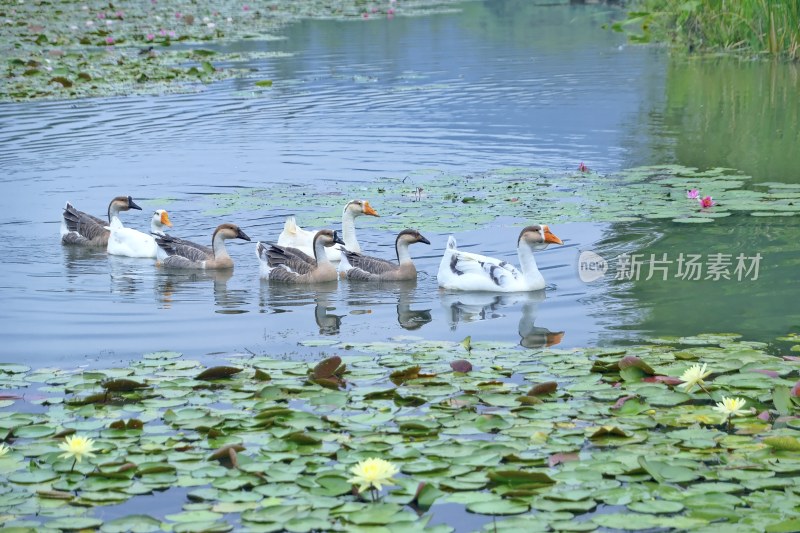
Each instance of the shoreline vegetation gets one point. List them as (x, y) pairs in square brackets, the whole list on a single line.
[(751, 27), (65, 50)]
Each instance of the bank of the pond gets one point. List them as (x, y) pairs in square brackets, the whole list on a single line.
[(483, 434), (752, 27), (66, 49)]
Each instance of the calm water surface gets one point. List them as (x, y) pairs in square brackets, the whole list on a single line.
[(497, 84)]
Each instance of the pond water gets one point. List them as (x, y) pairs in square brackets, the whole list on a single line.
[(492, 85)]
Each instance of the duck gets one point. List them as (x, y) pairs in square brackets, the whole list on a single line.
[(290, 265), (178, 253), (82, 229), (294, 236), (355, 266), (129, 242), (465, 271)]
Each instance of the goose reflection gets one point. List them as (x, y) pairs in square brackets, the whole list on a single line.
[(371, 294), (475, 306), (174, 286), (280, 298)]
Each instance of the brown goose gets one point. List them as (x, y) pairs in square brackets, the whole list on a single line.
[(355, 266), (182, 254), (83, 229), (290, 265)]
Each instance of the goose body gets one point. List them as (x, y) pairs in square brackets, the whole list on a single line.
[(294, 236), (177, 253), (357, 267), (290, 265), (465, 271), (82, 229), (129, 242)]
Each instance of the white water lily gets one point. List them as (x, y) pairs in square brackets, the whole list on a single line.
[(4, 449), (77, 447), (694, 375), (729, 407), (372, 473)]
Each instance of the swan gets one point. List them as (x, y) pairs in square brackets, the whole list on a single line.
[(83, 229), (183, 254), (355, 266), (290, 265), (296, 237), (464, 271), (132, 243)]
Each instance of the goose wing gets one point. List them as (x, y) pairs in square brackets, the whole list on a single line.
[(174, 246), (291, 259), (369, 264), (82, 225), (499, 272)]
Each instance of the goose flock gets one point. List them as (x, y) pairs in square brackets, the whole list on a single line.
[(307, 257)]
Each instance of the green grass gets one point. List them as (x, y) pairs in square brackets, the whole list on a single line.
[(770, 27)]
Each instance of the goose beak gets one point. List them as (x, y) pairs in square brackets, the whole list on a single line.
[(165, 219), (337, 239), (132, 204), (368, 210), (553, 338), (242, 235), (550, 238), (423, 239)]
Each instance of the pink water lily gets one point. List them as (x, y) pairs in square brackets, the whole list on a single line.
[(109, 40), (692, 194), (583, 168), (150, 37), (706, 202)]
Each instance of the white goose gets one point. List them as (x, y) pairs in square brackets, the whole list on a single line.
[(464, 271), (294, 236), (132, 243)]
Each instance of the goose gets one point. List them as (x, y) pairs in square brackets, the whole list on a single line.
[(132, 243), (83, 229), (183, 254), (296, 237), (464, 271), (355, 266), (290, 265)]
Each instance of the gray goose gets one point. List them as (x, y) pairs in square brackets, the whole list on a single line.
[(182, 254), (290, 265), (82, 229), (355, 266)]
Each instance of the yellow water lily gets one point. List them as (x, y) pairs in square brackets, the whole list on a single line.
[(729, 407), (77, 447), (372, 473), (694, 375), (4, 449)]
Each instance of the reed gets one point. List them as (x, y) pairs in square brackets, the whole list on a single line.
[(749, 26)]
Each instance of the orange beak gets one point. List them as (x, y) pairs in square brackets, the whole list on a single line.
[(368, 210), (554, 338), (165, 219), (549, 237)]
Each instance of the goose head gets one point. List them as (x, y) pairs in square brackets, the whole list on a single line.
[(328, 238), (229, 231), (123, 203), (357, 208), (159, 220), (537, 237), (411, 236)]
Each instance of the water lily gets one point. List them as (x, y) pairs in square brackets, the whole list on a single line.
[(692, 194), (77, 447), (4, 449), (694, 375), (729, 407), (150, 37), (372, 473), (706, 202), (583, 168), (109, 40)]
